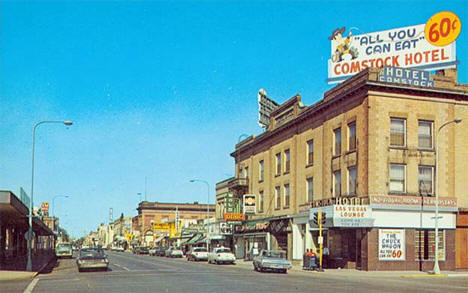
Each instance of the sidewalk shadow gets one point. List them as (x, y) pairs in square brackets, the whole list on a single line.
[(50, 266)]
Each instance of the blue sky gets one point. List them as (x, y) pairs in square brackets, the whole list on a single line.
[(160, 89)]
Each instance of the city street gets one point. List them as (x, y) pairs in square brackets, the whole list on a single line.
[(144, 273)]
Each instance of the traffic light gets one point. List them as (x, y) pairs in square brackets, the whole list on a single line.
[(324, 218), (316, 218)]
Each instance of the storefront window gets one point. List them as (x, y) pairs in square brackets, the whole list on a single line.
[(424, 245)]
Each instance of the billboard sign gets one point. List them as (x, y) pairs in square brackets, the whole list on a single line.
[(266, 106), (250, 204), (405, 47), (392, 244)]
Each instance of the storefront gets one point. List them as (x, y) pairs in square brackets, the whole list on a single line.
[(251, 237), (387, 233)]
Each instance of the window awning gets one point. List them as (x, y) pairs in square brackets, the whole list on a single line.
[(159, 239)]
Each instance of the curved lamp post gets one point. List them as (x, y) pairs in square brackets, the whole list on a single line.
[(207, 211), (238, 153), (30, 216), (436, 256)]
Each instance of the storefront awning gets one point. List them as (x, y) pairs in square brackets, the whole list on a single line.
[(194, 239), (201, 240), (217, 237), (159, 239)]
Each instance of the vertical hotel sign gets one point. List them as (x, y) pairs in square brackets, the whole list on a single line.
[(429, 46)]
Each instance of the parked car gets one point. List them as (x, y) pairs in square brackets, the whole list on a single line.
[(117, 248), (274, 260), (161, 250), (221, 255), (142, 250), (152, 251), (64, 249), (197, 253), (174, 252), (92, 258)]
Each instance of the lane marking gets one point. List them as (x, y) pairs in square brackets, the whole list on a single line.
[(31, 285), (125, 268)]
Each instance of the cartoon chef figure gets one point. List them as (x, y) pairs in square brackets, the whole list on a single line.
[(343, 45)]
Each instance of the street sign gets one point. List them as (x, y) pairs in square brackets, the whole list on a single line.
[(29, 236), (320, 240)]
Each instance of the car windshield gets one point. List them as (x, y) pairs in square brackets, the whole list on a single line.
[(64, 246), (275, 254), (224, 249), (203, 249), (92, 253)]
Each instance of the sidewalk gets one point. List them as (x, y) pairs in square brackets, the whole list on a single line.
[(17, 270), (357, 273)]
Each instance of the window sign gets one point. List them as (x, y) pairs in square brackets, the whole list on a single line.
[(392, 244)]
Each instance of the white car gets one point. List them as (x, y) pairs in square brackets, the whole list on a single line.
[(221, 255), (174, 252), (197, 253)]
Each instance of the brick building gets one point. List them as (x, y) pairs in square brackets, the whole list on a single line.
[(365, 156), (150, 213)]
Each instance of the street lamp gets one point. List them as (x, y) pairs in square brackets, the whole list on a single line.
[(30, 216), (436, 257), (207, 211)]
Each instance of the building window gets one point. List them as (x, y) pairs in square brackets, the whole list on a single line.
[(337, 134), (397, 132), (424, 245), (278, 197), (352, 136), (352, 180), (397, 178), (337, 183), (246, 170), (310, 152), (425, 180), (261, 167), (278, 163), (260, 202), (310, 189), (286, 195), (425, 134), (287, 161)]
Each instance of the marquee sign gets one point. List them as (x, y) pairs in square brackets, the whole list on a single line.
[(400, 47), (345, 215)]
